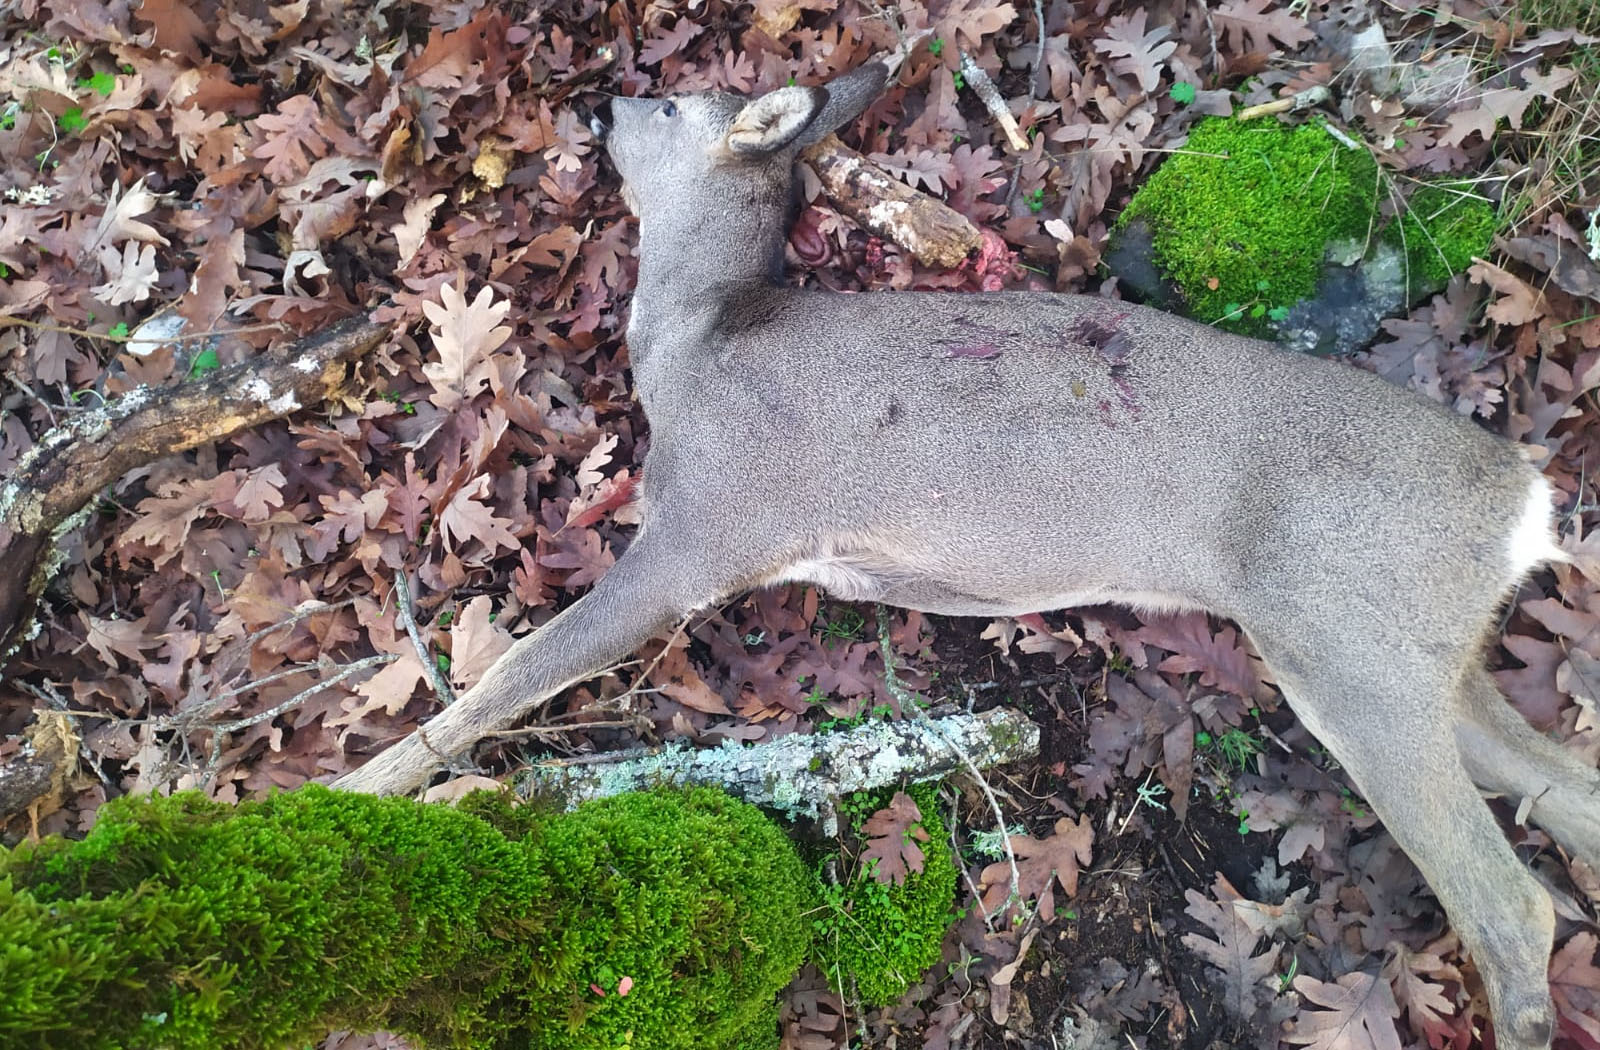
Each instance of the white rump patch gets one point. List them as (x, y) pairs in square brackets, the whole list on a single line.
[(1533, 541)]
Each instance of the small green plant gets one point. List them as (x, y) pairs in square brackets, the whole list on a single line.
[(1034, 199), (936, 46), (843, 624), (960, 80), (991, 843), (1237, 748), (101, 84), (72, 121), (877, 712), (1182, 93), (1149, 794), (204, 363), (874, 940), (1286, 979)]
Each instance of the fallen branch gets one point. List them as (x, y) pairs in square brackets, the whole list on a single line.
[(802, 775), (54, 483), (993, 101), (1315, 95), (925, 226)]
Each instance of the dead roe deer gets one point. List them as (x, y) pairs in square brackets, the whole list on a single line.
[(999, 454)]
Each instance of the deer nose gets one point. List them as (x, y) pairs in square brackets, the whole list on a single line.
[(600, 120)]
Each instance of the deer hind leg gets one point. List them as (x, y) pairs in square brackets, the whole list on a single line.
[(660, 579), (1505, 754), (1388, 716)]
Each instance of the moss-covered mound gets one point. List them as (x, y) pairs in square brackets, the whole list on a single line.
[(181, 923), (1242, 218), (1242, 221), (876, 939)]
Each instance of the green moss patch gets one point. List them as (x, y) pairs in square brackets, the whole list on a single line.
[(876, 939), (1445, 225), (1244, 221), (656, 921), (1242, 218)]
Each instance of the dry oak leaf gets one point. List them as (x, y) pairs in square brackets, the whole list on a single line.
[(1136, 53), (413, 228), (1359, 1012), (132, 273), (466, 336), (388, 691), (893, 834), (1575, 984), (1041, 863), (476, 642), (1248, 26), (1221, 659), (1494, 104), (287, 137), (259, 491), (177, 28), (572, 142), (1522, 302), (664, 42), (465, 518), (120, 221), (163, 520), (677, 678), (1417, 980), (973, 19), (1246, 977)]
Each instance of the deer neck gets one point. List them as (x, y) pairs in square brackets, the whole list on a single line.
[(691, 262)]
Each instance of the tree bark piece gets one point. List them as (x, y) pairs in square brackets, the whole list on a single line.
[(37, 775), (925, 226), (53, 484), (802, 775)]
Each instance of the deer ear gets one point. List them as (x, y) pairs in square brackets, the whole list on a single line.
[(849, 94), (775, 120)]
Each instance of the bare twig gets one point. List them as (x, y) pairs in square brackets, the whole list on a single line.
[(222, 729), (1300, 100), (984, 88), (7, 320), (441, 684), (51, 488), (801, 774), (1038, 49)]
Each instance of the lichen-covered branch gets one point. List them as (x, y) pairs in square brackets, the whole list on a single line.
[(925, 226), (803, 775), (53, 484)]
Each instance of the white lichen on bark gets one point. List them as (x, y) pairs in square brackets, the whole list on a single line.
[(803, 775)]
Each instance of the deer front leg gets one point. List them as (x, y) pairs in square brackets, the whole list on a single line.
[(659, 580)]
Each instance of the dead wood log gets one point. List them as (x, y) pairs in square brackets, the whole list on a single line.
[(801, 775), (54, 483), (925, 226)]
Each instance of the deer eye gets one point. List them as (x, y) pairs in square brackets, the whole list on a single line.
[(668, 108)]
